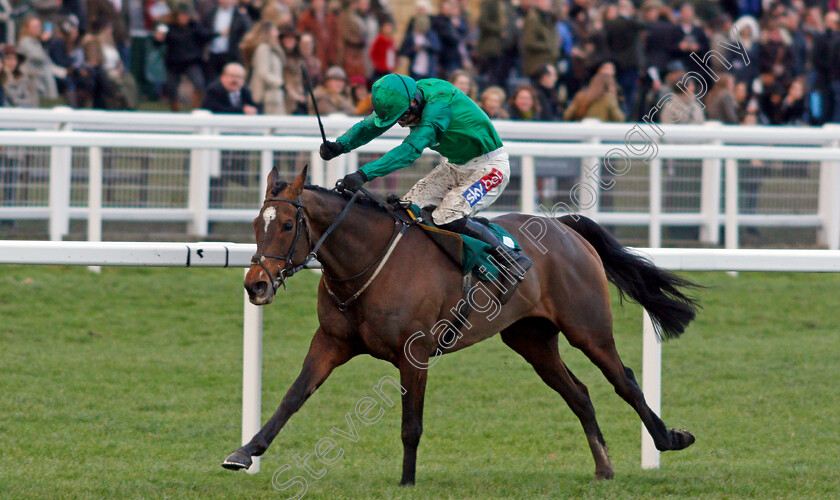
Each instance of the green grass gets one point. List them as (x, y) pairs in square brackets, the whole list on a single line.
[(128, 384)]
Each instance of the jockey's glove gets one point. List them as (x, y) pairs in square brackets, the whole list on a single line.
[(330, 150), (352, 182)]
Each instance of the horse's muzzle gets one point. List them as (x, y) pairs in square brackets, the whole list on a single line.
[(259, 288)]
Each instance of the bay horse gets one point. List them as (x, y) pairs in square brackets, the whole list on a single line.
[(564, 291)]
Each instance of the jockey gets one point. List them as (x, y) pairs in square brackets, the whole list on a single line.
[(475, 169)]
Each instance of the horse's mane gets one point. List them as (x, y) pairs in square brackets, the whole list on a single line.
[(363, 201)]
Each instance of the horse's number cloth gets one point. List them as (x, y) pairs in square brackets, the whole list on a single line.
[(475, 254)]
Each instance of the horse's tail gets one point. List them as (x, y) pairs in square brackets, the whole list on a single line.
[(658, 291)]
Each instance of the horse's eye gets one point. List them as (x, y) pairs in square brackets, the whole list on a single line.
[(288, 225)]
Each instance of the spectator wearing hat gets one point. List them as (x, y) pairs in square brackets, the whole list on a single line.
[(184, 40), (38, 64), (18, 86), (228, 24), (749, 34), (330, 96), (264, 60), (228, 93), (360, 95)]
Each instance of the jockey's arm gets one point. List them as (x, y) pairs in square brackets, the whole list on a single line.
[(433, 124), (360, 134)]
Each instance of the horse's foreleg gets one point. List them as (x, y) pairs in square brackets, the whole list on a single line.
[(325, 354), (413, 381)]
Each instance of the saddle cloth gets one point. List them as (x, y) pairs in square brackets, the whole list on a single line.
[(468, 253)]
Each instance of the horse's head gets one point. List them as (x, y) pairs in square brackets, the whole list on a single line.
[(282, 237)]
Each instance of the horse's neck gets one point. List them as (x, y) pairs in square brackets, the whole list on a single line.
[(357, 239)]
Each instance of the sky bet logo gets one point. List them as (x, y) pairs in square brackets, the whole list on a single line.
[(482, 187)]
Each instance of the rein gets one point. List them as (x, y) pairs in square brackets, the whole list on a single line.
[(400, 226)]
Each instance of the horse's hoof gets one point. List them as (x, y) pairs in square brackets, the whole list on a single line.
[(681, 439), (237, 460), (606, 474)]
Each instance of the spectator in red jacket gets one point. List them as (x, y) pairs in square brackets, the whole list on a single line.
[(383, 52)]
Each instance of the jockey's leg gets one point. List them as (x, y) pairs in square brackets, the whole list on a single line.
[(431, 189), (477, 190), (515, 263)]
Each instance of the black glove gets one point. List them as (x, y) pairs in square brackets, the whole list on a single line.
[(330, 150), (352, 182)]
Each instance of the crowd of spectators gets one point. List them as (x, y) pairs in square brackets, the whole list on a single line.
[(747, 61)]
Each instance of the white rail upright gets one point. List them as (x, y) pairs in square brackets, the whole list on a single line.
[(829, 199), (252, 335)]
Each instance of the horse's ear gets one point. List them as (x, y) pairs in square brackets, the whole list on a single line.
[(273, 177), (297, 186)]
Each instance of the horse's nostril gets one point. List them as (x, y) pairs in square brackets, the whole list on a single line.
[(257, 289)]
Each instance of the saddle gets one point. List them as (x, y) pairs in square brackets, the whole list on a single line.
[(469, 254)]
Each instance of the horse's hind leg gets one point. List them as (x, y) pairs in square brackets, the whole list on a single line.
[(599, 347), (535, 339)]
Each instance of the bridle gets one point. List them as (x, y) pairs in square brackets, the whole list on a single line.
[(290, 269), (301, 225)]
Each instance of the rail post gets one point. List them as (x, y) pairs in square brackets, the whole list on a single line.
[(590, 176), (252, 327), (94, 222), (199, 184), (651, 386), (61, 158), (829, 199), (529, 186), (710, 196)]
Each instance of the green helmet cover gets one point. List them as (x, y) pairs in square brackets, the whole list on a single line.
[(392, 95)]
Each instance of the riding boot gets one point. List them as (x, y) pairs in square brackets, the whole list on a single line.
[(514, 262), (510, 262)]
